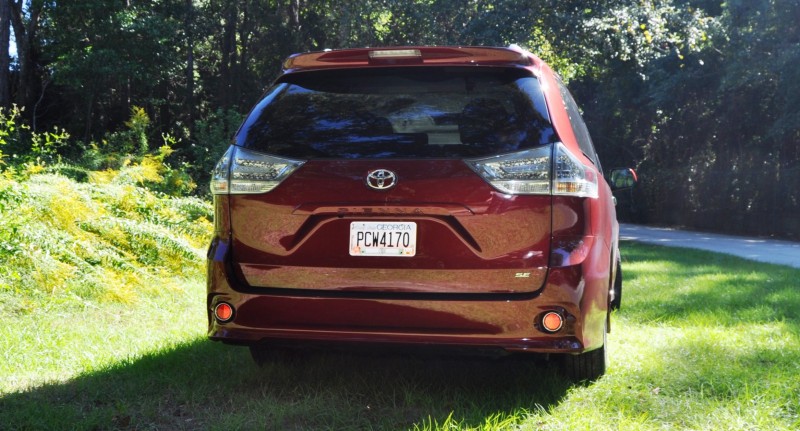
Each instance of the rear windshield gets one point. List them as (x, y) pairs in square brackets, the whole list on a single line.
[(399, 113)]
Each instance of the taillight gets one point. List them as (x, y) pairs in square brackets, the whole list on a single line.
[(525, 173), (394, 54), (541, 171), (242, 171), (220, 175), (572, 178)]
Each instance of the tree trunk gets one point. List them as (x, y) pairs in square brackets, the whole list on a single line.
[(230, 13), (190, 108), (25, 35), (295, 25), (5, 61)]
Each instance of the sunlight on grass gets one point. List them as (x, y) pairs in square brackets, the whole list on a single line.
[(703, 342), (663, 378), (55, 345)]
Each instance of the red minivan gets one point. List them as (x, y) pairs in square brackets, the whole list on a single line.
[(428, 196)]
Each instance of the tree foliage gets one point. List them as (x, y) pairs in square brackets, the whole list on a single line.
[(702, 97), (713, 117)]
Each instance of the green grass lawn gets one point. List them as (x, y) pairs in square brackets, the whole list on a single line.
[(703, 341)]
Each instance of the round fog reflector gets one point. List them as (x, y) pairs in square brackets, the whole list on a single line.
[(223, 312), (552, 321)]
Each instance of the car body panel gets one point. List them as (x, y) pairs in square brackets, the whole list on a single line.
[(296, 236), (501, 321)]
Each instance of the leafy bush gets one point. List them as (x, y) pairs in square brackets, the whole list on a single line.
[(213, 135), (106, 240), (132, 140), (126, 157), (26, 145)]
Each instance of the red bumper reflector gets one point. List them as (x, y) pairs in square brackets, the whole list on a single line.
[(552, 321), (223, 312)]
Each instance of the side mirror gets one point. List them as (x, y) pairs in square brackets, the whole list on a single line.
[(623, 178)]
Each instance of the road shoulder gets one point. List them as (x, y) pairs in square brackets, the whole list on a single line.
[(758, 249)]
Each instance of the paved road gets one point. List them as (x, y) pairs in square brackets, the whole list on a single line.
[(762, 250)]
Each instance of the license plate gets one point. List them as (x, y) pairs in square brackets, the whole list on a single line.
[(381, 238)]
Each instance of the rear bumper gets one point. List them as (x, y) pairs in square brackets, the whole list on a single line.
[(506, 321)]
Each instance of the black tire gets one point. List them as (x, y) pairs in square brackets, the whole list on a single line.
[(261, 354), (616, 303), (588, 366)]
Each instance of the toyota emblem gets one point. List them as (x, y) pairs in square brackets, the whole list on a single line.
[(381, 179)]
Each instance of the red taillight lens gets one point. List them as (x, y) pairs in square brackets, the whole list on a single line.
[(223, 312)]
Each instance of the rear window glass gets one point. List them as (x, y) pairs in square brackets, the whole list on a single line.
[(399, 113)]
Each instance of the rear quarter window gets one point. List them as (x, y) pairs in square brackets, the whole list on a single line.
[(399, 113)]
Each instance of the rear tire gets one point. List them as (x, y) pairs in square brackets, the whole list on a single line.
[(261, 354), (617, 302), (588, 366), (264, 354)]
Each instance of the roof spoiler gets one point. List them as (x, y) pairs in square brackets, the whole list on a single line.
[(513, 55)]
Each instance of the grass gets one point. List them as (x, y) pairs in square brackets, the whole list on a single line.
[(703, 341)]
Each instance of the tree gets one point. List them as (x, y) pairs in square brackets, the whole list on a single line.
[(5, 39), (25, 15), (108, 57)]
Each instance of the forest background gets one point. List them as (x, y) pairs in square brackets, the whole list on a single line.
[(701, 97)]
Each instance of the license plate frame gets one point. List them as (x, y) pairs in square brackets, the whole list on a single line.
[(383, 238)]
